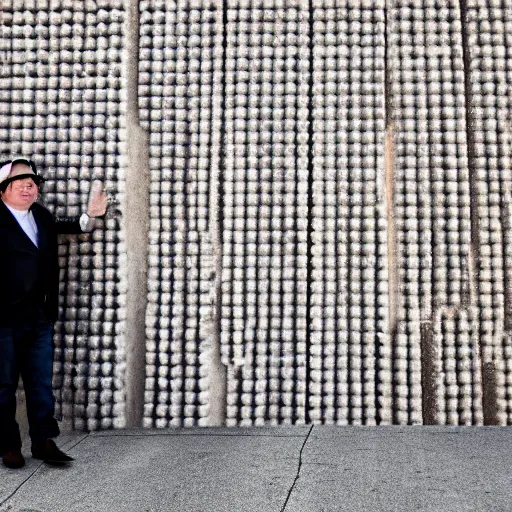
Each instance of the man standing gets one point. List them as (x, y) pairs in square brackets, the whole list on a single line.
[(29, 307)]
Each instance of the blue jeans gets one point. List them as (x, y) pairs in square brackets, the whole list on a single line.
[(27, 350)]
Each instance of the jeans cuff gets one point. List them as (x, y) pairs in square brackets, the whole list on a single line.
[(42, 430)]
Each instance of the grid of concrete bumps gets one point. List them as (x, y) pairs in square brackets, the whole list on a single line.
[(179, 48), (490, 72), (341, 168), (433, 215), (350, 350)]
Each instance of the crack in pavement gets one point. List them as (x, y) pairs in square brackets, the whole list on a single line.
[(21, 485), (34, 472), (77, 443), (298, 470)]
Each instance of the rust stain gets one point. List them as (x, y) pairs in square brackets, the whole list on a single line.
[(490, 394), (429, 374)]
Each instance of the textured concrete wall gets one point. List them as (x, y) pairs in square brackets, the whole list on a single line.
[(62, 105), (311, 206)]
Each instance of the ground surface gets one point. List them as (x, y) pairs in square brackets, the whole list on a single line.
[(299, 469)]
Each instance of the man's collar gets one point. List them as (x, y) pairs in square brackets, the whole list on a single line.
[(15, 210)]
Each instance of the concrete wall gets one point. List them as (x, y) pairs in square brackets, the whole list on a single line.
[(310, 206)]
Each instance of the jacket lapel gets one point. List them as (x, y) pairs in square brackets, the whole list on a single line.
[(42, 229), (15, 229)]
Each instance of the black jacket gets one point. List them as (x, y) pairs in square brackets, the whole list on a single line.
[(29, 276)]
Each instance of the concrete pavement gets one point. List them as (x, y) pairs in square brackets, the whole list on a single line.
[(272, 469)]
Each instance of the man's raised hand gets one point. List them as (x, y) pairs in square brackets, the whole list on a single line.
[(97, 200)]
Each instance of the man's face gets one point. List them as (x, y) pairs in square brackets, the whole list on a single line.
[(21, 194)]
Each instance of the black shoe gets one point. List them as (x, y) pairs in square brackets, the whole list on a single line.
[(47, 450), (13, 459)]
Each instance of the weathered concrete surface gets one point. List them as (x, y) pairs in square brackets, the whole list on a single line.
[(160, 471), (278, 431), (384, 469), (371, 469), (10, 480)]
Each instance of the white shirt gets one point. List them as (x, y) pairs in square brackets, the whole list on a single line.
[(27, 222)]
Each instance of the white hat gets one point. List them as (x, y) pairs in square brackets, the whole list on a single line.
[(7, 174)]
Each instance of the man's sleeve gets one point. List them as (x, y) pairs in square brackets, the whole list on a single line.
[(68, 225), (74, 225)]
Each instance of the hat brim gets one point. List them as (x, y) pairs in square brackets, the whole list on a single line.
[(34, 177)]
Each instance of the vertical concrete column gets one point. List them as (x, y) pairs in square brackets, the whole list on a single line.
[(218, 372), (135, 224), (389, 202)]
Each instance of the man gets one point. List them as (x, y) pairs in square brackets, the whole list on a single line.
[(29, 307)]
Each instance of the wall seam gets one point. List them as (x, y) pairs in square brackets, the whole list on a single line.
[(218, 371), (389, 173)]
